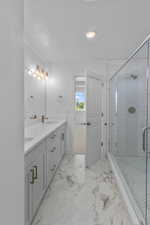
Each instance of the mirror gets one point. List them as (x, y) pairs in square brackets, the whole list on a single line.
[(34, 89)]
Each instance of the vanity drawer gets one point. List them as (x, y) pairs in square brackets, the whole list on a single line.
[(35, 152)]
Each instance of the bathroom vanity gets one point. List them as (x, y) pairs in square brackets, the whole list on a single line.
[(44, 149)]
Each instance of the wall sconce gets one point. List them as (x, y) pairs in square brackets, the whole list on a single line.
[(37, 72)]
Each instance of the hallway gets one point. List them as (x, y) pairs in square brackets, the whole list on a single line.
[(80, 196)]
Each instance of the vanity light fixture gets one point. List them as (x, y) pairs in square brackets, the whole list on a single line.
[(90, 34), (34, 75), (46, 75), (30, 70), (37, 72), (41, 73)]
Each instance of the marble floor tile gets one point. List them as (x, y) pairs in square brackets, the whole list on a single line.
[(81, 196)]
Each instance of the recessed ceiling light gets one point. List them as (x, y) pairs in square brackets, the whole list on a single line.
[(91, 34)]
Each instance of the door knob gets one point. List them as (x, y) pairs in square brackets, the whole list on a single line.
[(86, 124), (112, 124)]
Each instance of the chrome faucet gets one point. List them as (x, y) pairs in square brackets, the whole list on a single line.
[(43, 118), (33, 117)]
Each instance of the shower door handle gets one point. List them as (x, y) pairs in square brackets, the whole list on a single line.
[(144, 137)]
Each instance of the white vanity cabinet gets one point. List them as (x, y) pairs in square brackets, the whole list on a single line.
[(55, 151), (27, 196), (40, 166), (38, 186), (34, 181)]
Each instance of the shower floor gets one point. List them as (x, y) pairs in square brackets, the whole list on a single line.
[(134, 170)]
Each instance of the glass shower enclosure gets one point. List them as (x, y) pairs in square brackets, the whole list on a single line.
[(130, 129)]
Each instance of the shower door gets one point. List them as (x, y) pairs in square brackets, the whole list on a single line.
[(148, 145), (129, 123)]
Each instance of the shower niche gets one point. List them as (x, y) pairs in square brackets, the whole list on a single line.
[(129, 128)]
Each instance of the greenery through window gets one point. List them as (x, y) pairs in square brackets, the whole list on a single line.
[(79, 94), (80, 101)]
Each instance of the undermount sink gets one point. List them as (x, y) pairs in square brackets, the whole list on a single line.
[(28, 139)]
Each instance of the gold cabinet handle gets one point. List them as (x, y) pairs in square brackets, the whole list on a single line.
[(32, 176), (36, 172)]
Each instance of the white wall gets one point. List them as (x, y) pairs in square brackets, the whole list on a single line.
[(11, 113), (35, 90), (61, 83)]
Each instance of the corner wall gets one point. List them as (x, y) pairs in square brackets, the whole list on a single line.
[(11, 113)]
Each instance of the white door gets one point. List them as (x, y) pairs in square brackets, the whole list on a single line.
[(93, 120)]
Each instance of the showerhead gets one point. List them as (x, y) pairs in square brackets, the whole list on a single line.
[(133, 76)]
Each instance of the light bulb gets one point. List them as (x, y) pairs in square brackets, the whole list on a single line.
[(34, 74), (91, 34), (30, 72)]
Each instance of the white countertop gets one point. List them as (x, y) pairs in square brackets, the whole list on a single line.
[(36, 133)]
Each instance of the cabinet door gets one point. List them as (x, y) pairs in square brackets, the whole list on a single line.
[(38, 186), (27, 199), (28, 195), (51, 156), (45, 170), (57, 151), (50, 165)]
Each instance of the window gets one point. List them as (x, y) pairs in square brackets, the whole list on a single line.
[(80, 94), (80, 101)]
